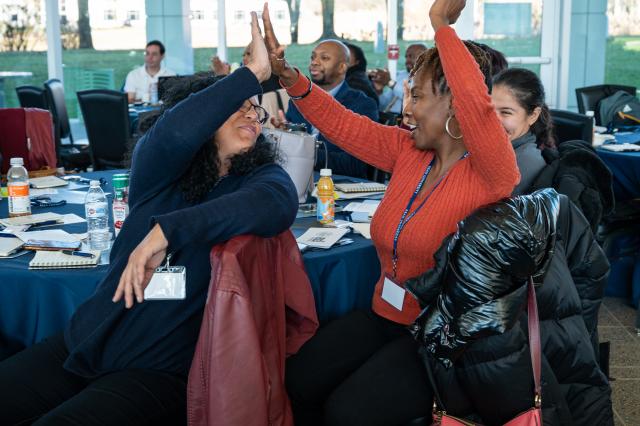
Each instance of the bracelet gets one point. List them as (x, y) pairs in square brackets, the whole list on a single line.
[(304, 95)]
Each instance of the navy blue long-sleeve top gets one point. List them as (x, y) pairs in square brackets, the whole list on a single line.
[(103, 336)]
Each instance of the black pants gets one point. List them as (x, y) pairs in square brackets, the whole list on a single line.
[(358, 370), (35, 389)]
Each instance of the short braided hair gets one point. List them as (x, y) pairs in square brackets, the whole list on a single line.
[(430, 64)]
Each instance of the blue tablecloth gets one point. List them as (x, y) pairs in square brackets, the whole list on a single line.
[(37, 303), (625, 167), (624, 278)]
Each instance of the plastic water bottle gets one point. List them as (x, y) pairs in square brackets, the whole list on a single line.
[(326, 208), (153, 93), (97, 214), (592, 116), (18, 189)]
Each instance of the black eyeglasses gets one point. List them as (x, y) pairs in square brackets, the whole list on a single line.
[(262, 113)]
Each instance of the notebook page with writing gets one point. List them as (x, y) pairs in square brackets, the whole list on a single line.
[(59, 260)]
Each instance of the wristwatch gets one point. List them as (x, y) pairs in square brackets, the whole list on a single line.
[(391, 84)]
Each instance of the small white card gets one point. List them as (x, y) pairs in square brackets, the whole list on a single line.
[(322, 237), (392, 293)]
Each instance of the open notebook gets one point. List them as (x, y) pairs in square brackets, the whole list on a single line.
[(59, 260)]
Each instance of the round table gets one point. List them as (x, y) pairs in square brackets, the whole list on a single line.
[(625, 167), (37, 303)]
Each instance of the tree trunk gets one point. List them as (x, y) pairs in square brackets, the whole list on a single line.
[(84, 26), (400, 29), (327, 19), (294, 15)]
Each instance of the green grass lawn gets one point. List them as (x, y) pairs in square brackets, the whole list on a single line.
[(623, 58)]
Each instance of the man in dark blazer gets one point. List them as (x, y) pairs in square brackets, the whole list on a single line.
[(328, 68)]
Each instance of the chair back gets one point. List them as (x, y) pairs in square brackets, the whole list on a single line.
[(106, 118), (568, 125), (27, 133), (32, 97), (54, 91), (588, 97)]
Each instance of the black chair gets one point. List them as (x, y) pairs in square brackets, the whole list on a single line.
[(70, 156), (32, 97), (569, 126), (588, 97), (106, 118)]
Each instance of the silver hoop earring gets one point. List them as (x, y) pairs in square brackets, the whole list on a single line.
[(446, 128)]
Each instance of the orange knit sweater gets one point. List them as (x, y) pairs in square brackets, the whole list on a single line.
[(488, 174)]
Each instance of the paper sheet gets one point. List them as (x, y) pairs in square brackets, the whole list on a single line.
[(363, 229), (71, 218), (322, 237), (48, 235), (28, 220)]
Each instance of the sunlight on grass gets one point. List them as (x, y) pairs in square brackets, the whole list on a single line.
[(622, 61)]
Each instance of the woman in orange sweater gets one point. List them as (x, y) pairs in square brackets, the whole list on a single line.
[(363, 368)]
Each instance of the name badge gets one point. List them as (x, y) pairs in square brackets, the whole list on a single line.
[(167, 283), (393, 293)]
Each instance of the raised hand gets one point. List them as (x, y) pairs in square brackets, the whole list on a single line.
[(445, 12), (279, 65), (380, 78), (219, 67), (279, 122), (259, 60)]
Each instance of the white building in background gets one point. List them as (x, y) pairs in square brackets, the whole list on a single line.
[(121, 24)]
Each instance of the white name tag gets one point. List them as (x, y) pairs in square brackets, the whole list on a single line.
[(392, 293), (167, 283)]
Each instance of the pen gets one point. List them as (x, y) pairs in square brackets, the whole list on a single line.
[(45, 223), (78, 253)]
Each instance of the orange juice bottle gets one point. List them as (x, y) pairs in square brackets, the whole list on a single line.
[(325, 210)]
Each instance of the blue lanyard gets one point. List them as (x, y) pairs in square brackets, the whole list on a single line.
[(404, 219)]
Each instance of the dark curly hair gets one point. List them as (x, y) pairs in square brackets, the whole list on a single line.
[(528, 91), (429, 64), (204, 172)]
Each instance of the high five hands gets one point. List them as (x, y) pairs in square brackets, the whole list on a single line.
[(279, 65), (259, 60), (445, 12)]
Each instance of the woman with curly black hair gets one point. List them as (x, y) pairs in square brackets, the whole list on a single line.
[(201, 175)]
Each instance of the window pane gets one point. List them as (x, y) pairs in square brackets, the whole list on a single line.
[(623, 45), (23, 46), (100, 55), (511, 27)]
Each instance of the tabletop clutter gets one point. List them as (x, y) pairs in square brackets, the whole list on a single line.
[(359, 214), (23, 231)]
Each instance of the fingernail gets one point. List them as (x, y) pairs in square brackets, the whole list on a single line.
[(140, 299)]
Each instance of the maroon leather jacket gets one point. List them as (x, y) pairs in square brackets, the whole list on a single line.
[(260, 309)]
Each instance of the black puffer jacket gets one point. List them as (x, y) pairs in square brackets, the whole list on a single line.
[(475, 324), (575, 170)]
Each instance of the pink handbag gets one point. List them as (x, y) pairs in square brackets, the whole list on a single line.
[(531, 417)]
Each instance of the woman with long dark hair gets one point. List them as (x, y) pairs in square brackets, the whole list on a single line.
[(518, 96), (201, 175)]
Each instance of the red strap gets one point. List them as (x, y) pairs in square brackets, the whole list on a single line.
[(534, 341)]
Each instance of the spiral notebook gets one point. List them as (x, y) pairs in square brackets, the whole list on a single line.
[(361, 187), (59, 260)]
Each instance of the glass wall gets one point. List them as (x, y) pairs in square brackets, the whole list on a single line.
[(623, 44), (102, 41), (513, 27), (23, 44)]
